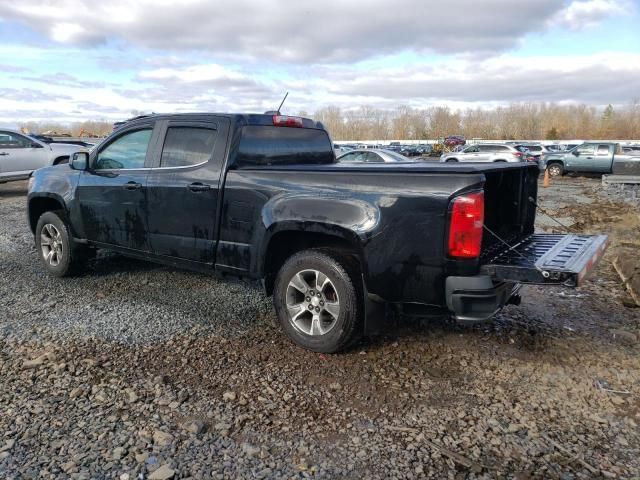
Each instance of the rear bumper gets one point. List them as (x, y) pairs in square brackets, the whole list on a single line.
[(477, 298)]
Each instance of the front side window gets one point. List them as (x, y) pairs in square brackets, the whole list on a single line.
[(471, 150), (187, 146), (585, 149), (126, 152), (13, 140)]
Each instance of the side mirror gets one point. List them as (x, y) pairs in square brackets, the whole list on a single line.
[(79, 161), (36, 145), (576, 153)]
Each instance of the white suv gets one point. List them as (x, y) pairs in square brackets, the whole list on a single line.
[(487, 152), (20, 155)]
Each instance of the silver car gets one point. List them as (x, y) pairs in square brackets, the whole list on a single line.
[(377, 155), (486, 152), (20, 155)]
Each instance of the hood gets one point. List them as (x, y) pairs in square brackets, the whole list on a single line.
[(65, 147)]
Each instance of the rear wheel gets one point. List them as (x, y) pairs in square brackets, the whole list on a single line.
[(55, 246), (555, 169), (499, 161), (61, 160), (451, 160), (318, 302)]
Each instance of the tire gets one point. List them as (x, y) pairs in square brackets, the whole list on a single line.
[(67, 258), (451, 160), (304, 313), (61, 160), (500, 161), (555, 169)]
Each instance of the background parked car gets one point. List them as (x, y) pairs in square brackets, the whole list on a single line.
[(409, 151), (455, 140), (21, 154), (424, 149), (485, 153), (378, 155)]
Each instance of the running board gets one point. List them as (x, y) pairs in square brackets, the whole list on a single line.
[(548, 259)]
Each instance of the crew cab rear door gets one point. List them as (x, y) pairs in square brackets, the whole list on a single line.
[(184, 188), (542, 258)]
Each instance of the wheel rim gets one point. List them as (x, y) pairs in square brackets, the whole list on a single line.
[(554, 170), (51, 245), (313, 305)]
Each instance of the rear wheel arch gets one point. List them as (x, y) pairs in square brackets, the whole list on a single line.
[(62, 159), (283, 244)]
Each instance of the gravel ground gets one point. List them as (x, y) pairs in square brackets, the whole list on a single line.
[(138, 371)]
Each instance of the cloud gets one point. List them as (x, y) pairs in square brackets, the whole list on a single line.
[(12, 69), (62, 79), (332, 31), (581, 14), (595, 79)]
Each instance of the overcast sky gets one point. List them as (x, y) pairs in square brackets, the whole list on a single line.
[(74, 60)]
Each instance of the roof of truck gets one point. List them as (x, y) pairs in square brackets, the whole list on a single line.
[(264, 119)]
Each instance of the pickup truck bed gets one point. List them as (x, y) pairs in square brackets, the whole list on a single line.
[(338, 245)]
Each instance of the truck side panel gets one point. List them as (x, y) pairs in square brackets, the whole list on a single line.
[(374, 211)]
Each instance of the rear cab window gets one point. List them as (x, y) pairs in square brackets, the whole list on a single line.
[(262, 145)]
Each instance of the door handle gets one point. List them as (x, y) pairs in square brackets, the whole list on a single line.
[(132, 186), (4, 154), (199, 187)]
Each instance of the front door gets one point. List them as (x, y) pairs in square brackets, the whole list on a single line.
[(20, 155), (184, 189), (470, 154), (581, 159), (112, 194)]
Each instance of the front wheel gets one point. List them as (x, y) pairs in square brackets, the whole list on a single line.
[(54, 244), (318, 302), (555, 169), (451, 160)]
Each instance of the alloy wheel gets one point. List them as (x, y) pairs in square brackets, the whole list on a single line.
[(51, 244), (312, 302)]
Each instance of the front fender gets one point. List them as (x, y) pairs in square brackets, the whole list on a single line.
[(56, 184)]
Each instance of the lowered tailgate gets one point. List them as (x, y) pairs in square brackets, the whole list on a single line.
[(548, 259)]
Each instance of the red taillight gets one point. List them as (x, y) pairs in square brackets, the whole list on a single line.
[(286, 121), (517, 154), (465, 225)]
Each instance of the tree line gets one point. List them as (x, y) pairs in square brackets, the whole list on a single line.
[(516, 121), (533, 121)]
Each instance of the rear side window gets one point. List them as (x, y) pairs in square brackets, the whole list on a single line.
[(187, 146), (603, 149), (270, 145)]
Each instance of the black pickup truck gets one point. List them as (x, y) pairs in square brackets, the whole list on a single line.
[(338, 245)]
